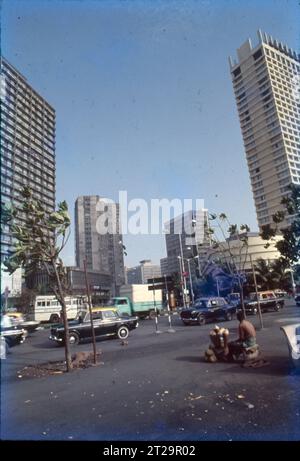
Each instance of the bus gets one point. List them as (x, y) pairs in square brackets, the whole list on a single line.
[(48, 309)]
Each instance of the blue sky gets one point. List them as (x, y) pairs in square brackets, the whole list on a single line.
[(143, 96)]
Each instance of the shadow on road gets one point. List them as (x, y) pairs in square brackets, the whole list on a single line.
[(277, 366), (46, 345), (190, 358)]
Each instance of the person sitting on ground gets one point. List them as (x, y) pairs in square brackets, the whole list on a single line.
[(247, 333), (247, 336)]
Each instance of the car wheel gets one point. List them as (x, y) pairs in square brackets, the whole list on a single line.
[(73, 337), (5, 345), (9, 342), (277, 308), (201, 320), (228, 316), (54, 318), (185, 322), (123, 332)]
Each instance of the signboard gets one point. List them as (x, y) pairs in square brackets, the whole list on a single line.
[(157, 287), (160, 279), (161, 286)]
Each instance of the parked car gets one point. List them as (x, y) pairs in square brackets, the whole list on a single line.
[(107, 322), (12, 334), (280, 293), (297, 300), (267, 300), (207, 309), (233, 298)]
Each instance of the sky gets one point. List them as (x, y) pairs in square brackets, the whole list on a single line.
[(143, 97)]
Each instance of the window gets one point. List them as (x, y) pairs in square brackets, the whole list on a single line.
[(237, 71), (109, 315)]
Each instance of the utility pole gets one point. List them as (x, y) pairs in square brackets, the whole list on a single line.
[(90, 311), (293, 281), (183, 276), (155, 307), (218, 289), (170, 330), (257, 296), (182, 282), (191, 282)]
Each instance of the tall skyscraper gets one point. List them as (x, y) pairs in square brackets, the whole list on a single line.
[(103, 252), (27, 145), (187, 238), (266, 84)]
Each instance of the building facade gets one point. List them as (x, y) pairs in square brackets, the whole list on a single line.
[(27, 146), (164, 266), (100, 285), (180, 244), (234, 250), (187, 239), (141, 273), (103, 252), (266, 86)]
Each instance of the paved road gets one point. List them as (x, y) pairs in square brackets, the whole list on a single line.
[(155, 388)]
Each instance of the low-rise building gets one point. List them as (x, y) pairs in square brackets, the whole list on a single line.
[(141, 273), (233, 249), (100, 284)]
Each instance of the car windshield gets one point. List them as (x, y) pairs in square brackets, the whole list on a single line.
[(109, 314), (6, 321), (253, 296), (81, 315), (201, 303), (111, 302)]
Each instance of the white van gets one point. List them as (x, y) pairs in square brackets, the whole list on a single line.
[(48, 309)]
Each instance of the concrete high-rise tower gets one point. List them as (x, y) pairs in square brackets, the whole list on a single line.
[(102, 252), (266, 81), (27, 146)]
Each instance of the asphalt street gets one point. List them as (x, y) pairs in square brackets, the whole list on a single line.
[(155, 388)]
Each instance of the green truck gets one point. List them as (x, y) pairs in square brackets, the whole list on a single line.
[(138, 301)]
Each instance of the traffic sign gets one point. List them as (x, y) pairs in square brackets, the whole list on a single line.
[(161, 286), (165, 279), (156, 287)]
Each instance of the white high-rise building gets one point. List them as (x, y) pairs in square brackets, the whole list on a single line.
[(27, 147), (102, 252), (266, 81)]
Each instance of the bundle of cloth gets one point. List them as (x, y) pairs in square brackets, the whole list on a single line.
[(218, 348)]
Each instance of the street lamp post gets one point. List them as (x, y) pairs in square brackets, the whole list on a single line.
[(218, 289), (191, 282), (182, 271), (290, 270), (199, 265), (182, 281)]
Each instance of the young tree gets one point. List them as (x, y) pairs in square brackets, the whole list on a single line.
[(232, 257), (39, 242)]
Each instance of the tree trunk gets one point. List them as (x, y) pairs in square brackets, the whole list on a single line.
[(242, 299), (65, 319), (91, 312)]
